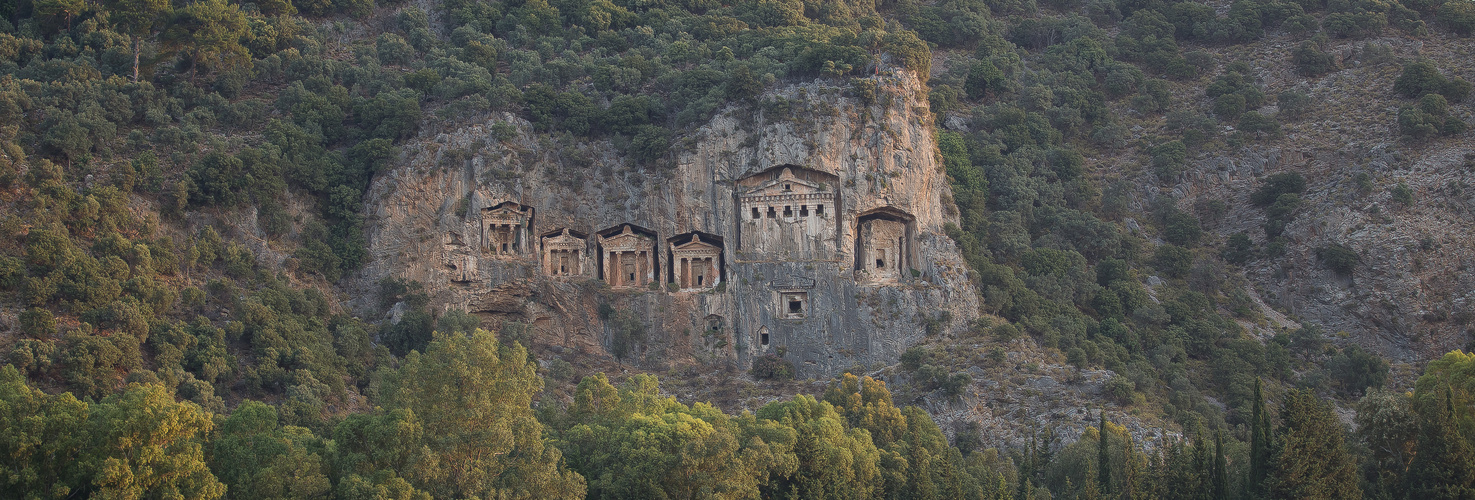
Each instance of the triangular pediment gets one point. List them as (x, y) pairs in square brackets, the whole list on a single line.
[(696, 245), (785, 183), (626, 238), (503, 212), (563, 239)]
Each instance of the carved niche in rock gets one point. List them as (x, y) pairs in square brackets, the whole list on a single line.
[(793, 304), (628, 256), (462, 267), (459, 260), (788, 213), (506, 229), (564, 252), (884, 245), (696, 260)]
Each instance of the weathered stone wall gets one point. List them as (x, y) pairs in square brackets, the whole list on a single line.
[(861, 157)]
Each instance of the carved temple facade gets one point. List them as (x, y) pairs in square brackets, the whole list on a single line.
[(785, 214)]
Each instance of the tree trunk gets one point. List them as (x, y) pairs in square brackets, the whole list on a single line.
[(135, 59)]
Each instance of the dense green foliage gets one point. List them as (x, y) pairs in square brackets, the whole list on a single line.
[(133, 133)]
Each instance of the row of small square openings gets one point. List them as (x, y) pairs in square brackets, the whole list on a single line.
[(819, 210)]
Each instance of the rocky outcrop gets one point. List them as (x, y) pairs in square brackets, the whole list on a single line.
[(825, 215), (1409, 297)]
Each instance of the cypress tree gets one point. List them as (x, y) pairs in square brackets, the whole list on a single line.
[(1026, 471), (1180, 472), (1260, 446), (1103, 457), (1156, 469), (1133, 485), (1444, 463), (1220, 471), (1203, 467)]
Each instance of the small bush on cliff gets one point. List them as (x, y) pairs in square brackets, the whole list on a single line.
[(1429, 118), (1458, 16), (1402, 194), (1276, 185), (772, 367), (1168, 160), (1420, 78), (1311, 61), (1339, 258)]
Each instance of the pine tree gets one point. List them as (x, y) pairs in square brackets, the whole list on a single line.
[(139, 19), (1444, 463), (1313, 462)]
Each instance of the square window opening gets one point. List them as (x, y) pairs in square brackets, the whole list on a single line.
[(796, 306), (763, 339), (819, 210), (788, 211), (772, 213), (804, 210), (755, 212)]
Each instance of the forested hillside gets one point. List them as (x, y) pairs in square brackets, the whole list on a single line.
[(182, 249)]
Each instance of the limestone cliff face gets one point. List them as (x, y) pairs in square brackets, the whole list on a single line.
[(808, 225), (1409, 297)]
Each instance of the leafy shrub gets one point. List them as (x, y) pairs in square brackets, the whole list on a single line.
[(1256, 123), (1172, 260), (1311, 61), (913, 358), (1293, 103), (93, 365), (1420, 78), (1354, 24), (1120, 389), (1229, 106), (1458, 16), (457, 321), (650, 143), (1181, 228), (37, 323), (558, 369), (1280, 214), (1168, 160), (1429, 118), (1402, 194), (772, 367), (1234, 92), (1355, 370), (32, 356), (984, 79), (1239, 249), (1339, 258), (1276, 185), (412, 332), (1006, 332)]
